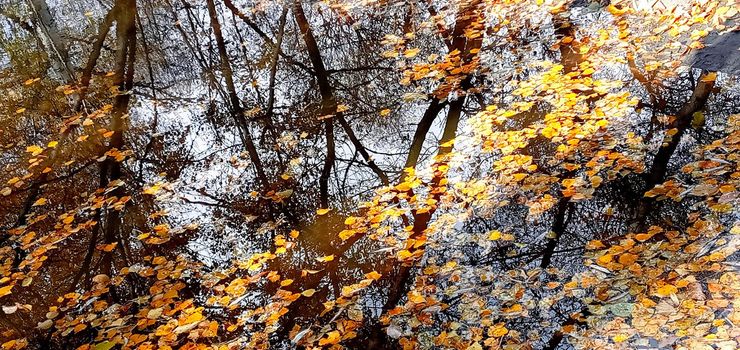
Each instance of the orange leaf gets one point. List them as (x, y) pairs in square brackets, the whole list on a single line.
[(107, 247), (373, 275), (627, 259)]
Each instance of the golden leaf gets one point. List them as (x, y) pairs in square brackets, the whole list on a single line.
[(285, 283), (5, 290), (325, 258), (617, 11), (494, 235), (411, 53), (498, 331), (642, 237), (373, 275), (666, 290), (34, 150), (332, 337), (346, 234), (620, 338)]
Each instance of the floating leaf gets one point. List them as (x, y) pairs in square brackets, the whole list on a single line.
[(325, 258), (106, 345)]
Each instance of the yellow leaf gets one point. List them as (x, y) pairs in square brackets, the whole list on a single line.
[(386, 112), (411, 53), (404, 254), (325, 258), (342, 108), (494, 235), (605, 259), (332, 337), (5, 290), (498, 331), (285, 283), (513, 309), (322, 211), (194, 317), (620, 338), (346, 234), (34, 150), (6, 191), (403, 187), (373, 275), (152, 190), (308, 292), (616, 11), (52, 144), (666, 290), (40, 201), (570, 285), (20, 110), (596, 181), (153, 314), (416, 298)]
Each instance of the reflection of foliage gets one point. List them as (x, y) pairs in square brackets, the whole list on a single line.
[(579, 186)]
